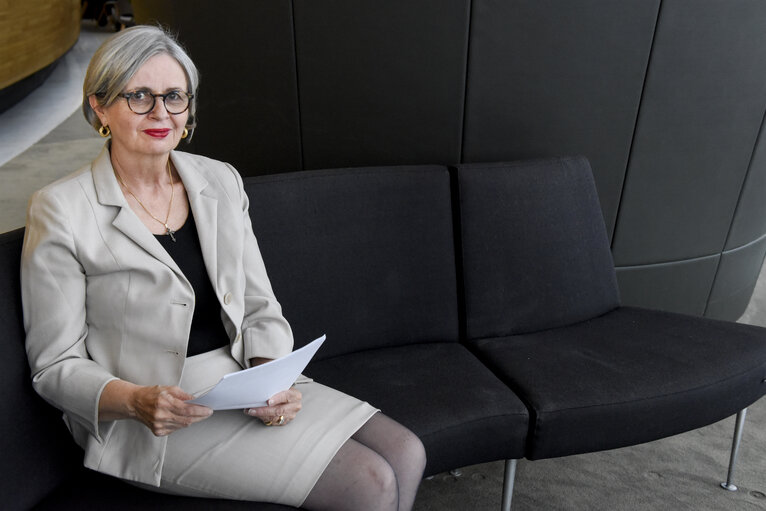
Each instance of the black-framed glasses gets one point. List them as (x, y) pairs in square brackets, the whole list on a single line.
[(142, 101)]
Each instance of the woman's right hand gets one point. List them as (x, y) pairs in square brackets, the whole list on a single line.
[(162, 409)]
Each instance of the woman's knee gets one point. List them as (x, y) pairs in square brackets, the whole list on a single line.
[(409, 452), (376, 486), (420, 456), (400, 446), (357, 478), (382, 481), (412, 451)]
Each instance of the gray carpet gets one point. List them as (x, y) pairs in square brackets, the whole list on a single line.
[(678, 473)]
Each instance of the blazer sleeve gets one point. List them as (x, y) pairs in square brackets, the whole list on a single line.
[(265, 331), (53, 299)]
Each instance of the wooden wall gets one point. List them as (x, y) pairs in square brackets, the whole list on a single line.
[(33, 34)]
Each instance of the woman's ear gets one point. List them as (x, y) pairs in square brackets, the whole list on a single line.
[(96, 106)]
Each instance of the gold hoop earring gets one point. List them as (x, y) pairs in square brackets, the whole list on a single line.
[(185, 133), (104, 131)]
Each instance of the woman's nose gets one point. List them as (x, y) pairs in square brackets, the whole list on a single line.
[(159, 110)]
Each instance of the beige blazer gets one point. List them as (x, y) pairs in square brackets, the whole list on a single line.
[(103, 300)]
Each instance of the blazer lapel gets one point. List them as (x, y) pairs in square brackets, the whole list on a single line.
[(204, 207), (109, 194)]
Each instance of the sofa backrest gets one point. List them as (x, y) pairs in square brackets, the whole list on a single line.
[(37, 452), (364, 255), (535, 252)]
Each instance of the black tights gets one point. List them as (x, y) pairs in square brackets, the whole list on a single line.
[(378, 469)]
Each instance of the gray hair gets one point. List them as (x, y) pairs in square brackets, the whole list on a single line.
[(121, 56)]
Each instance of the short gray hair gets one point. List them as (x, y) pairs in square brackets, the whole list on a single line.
[(121, 56)]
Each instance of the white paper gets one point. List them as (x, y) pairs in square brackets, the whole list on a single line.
[(254, 386)]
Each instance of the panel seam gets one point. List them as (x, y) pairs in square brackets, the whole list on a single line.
[(466, 67), (734, 215), (613, 234), (297, 87)]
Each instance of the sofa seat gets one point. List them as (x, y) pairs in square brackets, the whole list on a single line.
[(89, 490), (463, 414), (628, 376)]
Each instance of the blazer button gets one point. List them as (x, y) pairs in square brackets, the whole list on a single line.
[(227, 299)]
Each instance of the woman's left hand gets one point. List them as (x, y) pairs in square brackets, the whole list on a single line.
[(281, 409)]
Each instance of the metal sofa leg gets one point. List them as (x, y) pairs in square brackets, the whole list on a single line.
[(510, 475), (728, 485)]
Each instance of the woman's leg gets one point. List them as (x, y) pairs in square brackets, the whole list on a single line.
[(379, 468), (356, 478), (401, 448)]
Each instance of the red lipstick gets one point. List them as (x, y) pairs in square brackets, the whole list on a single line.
[(158, 133)]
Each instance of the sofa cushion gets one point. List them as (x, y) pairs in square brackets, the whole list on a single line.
[(364, 255), (535, 250), (37, 451), (629, 376), (462, 413)]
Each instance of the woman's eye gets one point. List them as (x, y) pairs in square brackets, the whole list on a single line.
[(139, 95)]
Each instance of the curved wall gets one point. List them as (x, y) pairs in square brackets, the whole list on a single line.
[(665, 97), (33, 35)]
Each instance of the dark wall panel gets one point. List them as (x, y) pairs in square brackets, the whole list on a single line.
[(381, 82), (750, 218), (248, 98), (701, 111), (680, 287), (735, 280), (557, 77)]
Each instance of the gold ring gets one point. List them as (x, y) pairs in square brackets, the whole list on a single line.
[(269, 423), (281, 420)]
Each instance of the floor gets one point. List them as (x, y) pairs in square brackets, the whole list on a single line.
[(46, 137)]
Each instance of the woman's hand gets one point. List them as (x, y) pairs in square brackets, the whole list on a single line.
[(162, 409), (282, 408)]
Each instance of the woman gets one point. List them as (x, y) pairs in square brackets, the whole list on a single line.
[(143, 284)]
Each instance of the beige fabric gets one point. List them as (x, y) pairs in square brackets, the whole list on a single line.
[(235, 456)]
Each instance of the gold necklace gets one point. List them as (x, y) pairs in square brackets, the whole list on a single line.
[(170, 232)]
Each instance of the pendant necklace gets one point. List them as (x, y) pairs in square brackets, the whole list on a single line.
[(170, 232)]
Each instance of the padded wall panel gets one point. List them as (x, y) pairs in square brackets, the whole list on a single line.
[(381, 82), (676, 287), (750, 218), (700, 115), (735, 280), (555, 77), (248, 99)]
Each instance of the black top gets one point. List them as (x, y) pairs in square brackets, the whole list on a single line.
[(207, 331)]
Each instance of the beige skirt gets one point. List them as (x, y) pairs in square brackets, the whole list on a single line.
[(235, 456)]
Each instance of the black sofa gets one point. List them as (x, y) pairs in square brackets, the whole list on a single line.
[(476, 304)]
